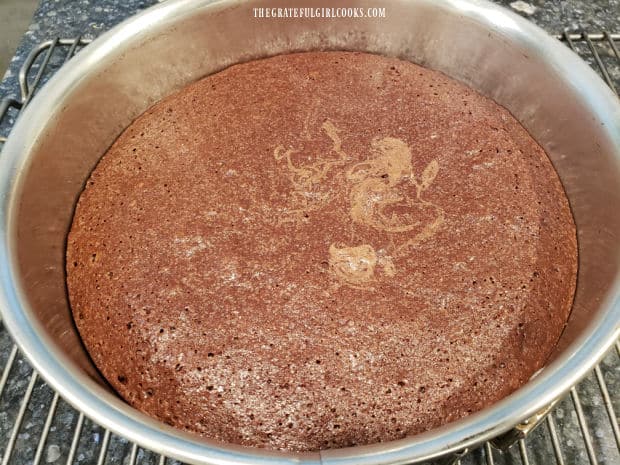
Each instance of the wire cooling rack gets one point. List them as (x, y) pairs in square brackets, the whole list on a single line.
[(37, 426)]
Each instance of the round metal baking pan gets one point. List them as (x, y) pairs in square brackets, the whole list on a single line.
[(84, 107)]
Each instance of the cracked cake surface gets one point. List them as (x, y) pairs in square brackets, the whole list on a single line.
[(321, 250)]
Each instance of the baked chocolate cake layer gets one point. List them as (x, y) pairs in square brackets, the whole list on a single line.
[(321, 250)]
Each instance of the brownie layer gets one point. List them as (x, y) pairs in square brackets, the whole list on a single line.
[(321, 250)]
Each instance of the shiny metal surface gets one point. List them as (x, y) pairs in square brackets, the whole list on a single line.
[(59, 138), (521, 430)]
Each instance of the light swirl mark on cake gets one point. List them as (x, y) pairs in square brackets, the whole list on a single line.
[(375, 182), (376, 200), (356, 265), (306, 179)]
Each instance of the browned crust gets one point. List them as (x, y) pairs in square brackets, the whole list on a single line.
[(320, 250)]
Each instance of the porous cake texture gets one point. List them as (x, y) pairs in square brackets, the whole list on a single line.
[(321, 250)]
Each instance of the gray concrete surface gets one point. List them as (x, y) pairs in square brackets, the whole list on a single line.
[(15, 16)]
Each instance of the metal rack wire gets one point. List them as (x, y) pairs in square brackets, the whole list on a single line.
[(37, 426)]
